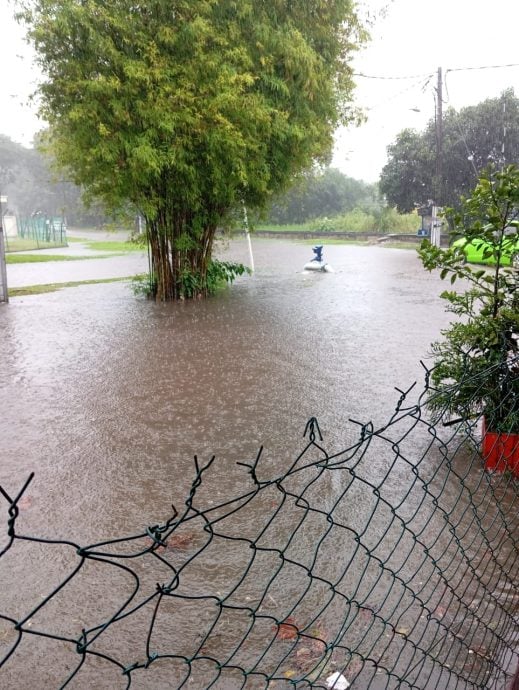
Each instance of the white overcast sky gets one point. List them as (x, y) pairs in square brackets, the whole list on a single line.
[(415, 37)]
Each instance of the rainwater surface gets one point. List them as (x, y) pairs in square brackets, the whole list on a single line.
[(107, 398)]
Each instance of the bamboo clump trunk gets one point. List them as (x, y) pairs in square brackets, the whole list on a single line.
[(177, 252)]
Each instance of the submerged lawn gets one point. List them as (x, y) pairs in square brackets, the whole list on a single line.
[(16, 244), (114, 246), (42, 258), (53, 287)]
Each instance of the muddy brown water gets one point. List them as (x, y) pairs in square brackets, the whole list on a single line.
[(107, 397)]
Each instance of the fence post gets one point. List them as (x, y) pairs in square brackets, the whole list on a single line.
[(4, 296)]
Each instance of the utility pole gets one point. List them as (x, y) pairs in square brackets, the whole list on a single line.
[(438, 187), (503, 151), (439, 141)]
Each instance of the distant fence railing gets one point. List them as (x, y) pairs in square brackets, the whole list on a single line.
[(393, 563), (42, 229)]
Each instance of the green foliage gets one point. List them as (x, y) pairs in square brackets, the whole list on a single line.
[(113, 246), (354, 221), (387, 220), (218, 273), (323, 193), (476, 364), (186, 109), (325, 224), (472, 138), (143, 285), (192, 283), (26, 177)]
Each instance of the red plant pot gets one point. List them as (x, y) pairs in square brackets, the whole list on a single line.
[(500, 451)]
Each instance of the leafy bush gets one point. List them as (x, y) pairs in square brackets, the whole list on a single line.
[(192, 284), (390, 220), (477, 362), (218, 273), (358, 220), (143, 285), (324, 225)]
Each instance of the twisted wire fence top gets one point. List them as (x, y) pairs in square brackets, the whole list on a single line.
[(390, 564)]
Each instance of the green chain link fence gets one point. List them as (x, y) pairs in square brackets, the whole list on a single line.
[(390, 564), (43, 230)]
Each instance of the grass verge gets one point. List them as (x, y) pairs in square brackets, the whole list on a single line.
[(326, 242), (53, 287), (396, 244), (23, 245), (292, 227), (113, 246), (42, 258), (400, 245)]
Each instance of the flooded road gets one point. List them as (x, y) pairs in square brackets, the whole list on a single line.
[(97, 383), (107, 397)]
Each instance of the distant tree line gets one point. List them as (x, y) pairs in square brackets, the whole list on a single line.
[(324, 193), (473, 138), (31, 187), (27, 178)]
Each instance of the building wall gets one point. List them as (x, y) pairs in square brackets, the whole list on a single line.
[(10, 226)]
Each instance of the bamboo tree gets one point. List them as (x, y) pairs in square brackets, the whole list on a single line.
[(187, 107)]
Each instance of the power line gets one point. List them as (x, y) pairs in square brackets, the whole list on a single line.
[(466, 69), (431, 74), (418, 84), (411, 76)]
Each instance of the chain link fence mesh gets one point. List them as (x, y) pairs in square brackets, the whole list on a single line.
[(43, 231), (390, 564)]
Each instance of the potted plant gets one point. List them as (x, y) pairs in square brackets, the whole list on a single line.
[(476, 365)]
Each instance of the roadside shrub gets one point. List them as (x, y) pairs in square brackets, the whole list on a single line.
[(192, 284), (353, 221), (218, 274), (143, 285), (386, 221), (389, 220)]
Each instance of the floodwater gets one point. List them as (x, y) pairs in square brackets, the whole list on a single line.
[(107, 398)]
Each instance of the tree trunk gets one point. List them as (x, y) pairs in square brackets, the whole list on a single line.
[(180, 257)]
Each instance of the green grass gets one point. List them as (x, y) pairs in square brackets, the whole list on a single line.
[(53, 287), (113, 246), (284, 228), (325, 242), (400, 245), (42, 258), (395, 244), (20, 245)]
